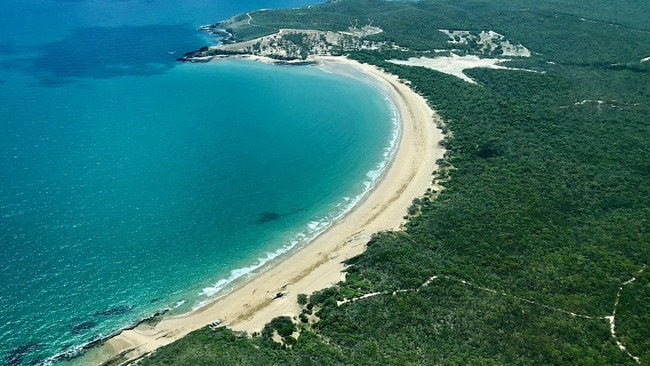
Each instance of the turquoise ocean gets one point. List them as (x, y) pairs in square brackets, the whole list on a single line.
[(131, 183)]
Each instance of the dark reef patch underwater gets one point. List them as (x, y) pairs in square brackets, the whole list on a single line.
[(118, 310), (17, 355), (268, 216), (106, 52)]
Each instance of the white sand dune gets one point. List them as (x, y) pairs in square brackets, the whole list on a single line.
[(455, 65)]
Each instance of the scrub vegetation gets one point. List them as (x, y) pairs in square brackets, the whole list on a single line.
[(536, 251)]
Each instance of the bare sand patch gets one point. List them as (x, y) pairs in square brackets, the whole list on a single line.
[(455, 65)]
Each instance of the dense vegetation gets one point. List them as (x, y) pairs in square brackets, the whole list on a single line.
[(544, 217)]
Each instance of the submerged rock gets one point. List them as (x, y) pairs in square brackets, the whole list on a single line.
[(16, 356), (79, 328), (118, 310), (268, 217)]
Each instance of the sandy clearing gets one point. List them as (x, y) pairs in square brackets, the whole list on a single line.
[(455, 65)]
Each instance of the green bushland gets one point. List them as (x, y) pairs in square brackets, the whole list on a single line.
[(545, 210)]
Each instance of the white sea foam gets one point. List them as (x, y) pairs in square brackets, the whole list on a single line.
[(373, 174)]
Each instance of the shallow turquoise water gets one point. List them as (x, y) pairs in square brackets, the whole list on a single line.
[(131, 183)]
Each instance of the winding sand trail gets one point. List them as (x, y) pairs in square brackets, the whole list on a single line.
[(319, 265)]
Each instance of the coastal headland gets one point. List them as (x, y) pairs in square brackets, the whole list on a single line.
[(320, 264)]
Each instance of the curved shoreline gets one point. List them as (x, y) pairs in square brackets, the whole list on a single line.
[(319, 264), (321, 223)]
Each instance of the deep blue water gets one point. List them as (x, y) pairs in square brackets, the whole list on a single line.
[(130, 183)]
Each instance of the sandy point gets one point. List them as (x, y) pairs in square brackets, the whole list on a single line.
[(319, 265)]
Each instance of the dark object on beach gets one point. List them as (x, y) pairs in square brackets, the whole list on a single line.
[(216, 323), (16, 356), (268, 217), (83, 326), (118, 310), (279, 295)]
